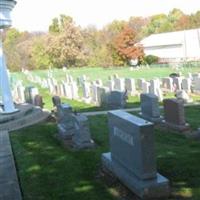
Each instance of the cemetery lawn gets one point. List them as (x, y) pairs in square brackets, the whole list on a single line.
[(103, 74), (48, 171)]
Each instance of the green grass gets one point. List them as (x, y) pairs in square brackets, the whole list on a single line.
[(49, 171), (103, 73)]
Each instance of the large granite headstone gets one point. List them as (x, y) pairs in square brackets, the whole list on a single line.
[(150, 107), (132, 158), (174, 115)]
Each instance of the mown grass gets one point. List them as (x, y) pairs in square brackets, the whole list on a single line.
[(95, 73), (49, 171)]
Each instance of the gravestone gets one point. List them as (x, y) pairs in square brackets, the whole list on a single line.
[(132, 157), (110, 85), (81, 138), (130, 86), (139, 83), (119, 84), (56, 101), (145, 87), (74, 90), (99, 82), (38, 101), (30, 93), (174, 115), (21, 93), (167, 83), (102, 95), (65, 122), (177, 82), (94, 93), (197, 85), (67, 90), (182, 95), (86, 89), (116, 99), (150, 107), (187, 84)]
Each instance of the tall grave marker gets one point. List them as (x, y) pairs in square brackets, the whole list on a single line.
[(132, 157)]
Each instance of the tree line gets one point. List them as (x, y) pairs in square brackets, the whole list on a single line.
[(69, 45)]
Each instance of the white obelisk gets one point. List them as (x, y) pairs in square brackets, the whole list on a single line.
[(6, 7)]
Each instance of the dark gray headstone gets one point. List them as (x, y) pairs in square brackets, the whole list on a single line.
[(27, 93), (38, 101), (132, 157), (174, 114), (150, 107), (56, 101)]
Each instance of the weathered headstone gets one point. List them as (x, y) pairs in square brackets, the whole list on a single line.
[(187, 84), (150, 107), (102, 95), (119, 84), (56, 101), (94, 93), (81, 138), (177, 82), (139, 83), (116, 99), (110, 85), (65, 121), (197, 85), (182, 95), (132, 158), (38, 101), (130, 86), (167, 83), (30, 93), (174, 115), (145, 87), (74, 90), (86, 89)]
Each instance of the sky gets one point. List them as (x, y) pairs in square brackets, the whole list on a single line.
[(36, 15)]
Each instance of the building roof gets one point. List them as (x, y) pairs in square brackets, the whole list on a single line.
[(171, 38), (173, 44)]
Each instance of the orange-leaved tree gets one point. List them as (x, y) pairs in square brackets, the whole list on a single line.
[(126, 45)]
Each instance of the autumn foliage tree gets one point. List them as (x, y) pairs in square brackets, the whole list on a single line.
[(65, 43), (126, 45)]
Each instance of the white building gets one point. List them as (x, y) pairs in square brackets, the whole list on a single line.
[(174, 46)]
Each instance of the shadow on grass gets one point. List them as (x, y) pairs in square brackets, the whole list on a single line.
[(49, 171)]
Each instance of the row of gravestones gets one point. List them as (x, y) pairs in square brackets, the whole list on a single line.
[(92, 90), (174, 116), (28, 94), (132, 153)]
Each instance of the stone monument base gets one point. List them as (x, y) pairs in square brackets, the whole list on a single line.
[(86, 145), (151, 119), (68, 143), (176, 127), (64, 134), (145, 189)]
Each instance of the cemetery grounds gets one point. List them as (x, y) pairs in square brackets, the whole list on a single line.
[(46, 170)]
